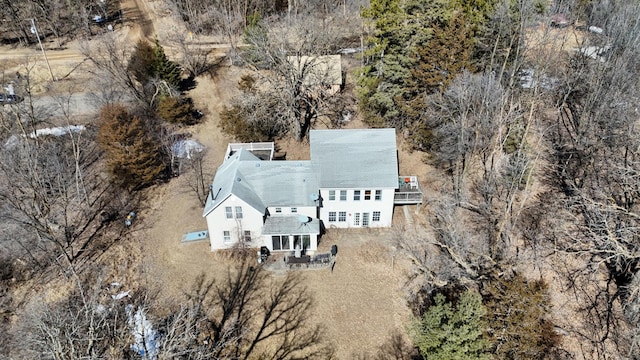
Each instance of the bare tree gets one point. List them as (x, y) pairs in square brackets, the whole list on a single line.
[(195, 56), (198, 177), (110, 57), (86, 323), (54, 191), (304, 80), (593, 188)]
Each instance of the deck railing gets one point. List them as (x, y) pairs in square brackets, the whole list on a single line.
[(408, 192), (257, 146)]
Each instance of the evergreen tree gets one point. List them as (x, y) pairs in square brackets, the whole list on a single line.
[(447, 53), (445, 332), (141, 62), (518, 316), (148, 64), (176, 110), (165, 69), (416, 48), (132, 154)]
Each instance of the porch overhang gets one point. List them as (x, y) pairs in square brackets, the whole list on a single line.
[(290, 225)]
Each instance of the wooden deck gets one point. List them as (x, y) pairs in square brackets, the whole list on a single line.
[(408, 192)]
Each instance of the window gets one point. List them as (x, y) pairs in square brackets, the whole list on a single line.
[(280, 242), (294, 210), (356, 219), (238, 212), (275, 242), (367, 194), (227, 237), (356, 195), (278, 210), (306, 241), (375, 216), (378, 194), (332, 216), (247, 236), (229, 212), (342, 216), (332, 195), (343, 195)]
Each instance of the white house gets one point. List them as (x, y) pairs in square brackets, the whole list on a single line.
[(357, 175), (351, 181)]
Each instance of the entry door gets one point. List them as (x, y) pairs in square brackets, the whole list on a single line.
[(356, 219), (365, 219)]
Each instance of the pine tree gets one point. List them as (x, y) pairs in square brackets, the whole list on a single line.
[(165, 69), (446, 332), (133, 156), (518, 314), (415, 48), (141, 62), (447, 53), (150, 63)]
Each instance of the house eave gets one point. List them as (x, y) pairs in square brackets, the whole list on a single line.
[(205, 214)]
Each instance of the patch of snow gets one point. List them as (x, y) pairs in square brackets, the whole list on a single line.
[(120, 295), (115, 284), (11, 142), (145, 337), (595, 52), (57, 131), (529, 80), (595, 29), (346, 116), (185, 149), (347, 51)]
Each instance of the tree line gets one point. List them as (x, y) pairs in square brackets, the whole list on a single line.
[(535, 182)]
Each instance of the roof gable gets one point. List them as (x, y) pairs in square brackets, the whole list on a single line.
[(263, 183), (229, 180)]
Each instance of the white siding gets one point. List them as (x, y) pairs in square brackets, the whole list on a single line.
[(361, 207), (217, 223)]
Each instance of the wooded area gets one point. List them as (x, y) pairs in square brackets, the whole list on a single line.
[(532, 150)]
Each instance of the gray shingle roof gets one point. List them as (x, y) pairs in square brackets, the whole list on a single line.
[(358, 158), (283, 225), (230, 180), (363, 158), (263, 183), (282, 183)]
